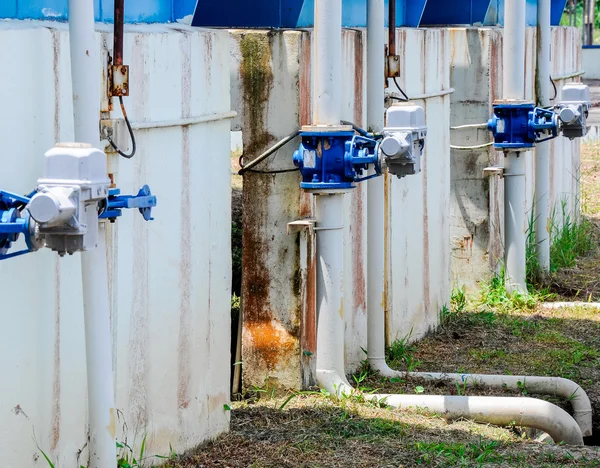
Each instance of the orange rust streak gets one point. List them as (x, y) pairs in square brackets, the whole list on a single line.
[(271, 344), (309, 319), (305, 80)]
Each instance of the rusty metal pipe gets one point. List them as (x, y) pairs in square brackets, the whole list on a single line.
[(119, 21), (392, 28)]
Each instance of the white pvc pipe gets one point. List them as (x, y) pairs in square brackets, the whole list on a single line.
[(85, 74), (559, 305), (542, 150), (513, 76), (101, 401), (501, 411), (557, 386), (375, 187), (515, 225), (144, 125), (513, 69), (329, 212), (328, 62)]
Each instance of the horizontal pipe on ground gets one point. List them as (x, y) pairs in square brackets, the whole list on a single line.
[(501, 411), (145, 125), (557, 386), (560, 305)]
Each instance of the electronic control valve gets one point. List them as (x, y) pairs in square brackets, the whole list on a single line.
[(403, 140), (65, 206), (573, 110)]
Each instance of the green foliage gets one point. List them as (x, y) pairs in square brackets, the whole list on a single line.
[(126, 457), (458, 300), (578, 11), (532, 266), (494, 295), (401, 354), (571, 240), (456, 454)]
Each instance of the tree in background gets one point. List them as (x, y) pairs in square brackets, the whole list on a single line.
[(584, 14)]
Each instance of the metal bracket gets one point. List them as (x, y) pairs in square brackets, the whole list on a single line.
[(301, 225), (493, 171), (120, 80)]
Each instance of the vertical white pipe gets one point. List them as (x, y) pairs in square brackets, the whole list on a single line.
[(85, 74), (329, 211), (101, 402), (515, 225), (513, 70), (542, 150), (375, 187), (329, 205), (513, 77), (327, 106)]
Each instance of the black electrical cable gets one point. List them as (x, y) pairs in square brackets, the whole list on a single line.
[(555, 90), (281, 171), (401, 92), (133, 143), (269, 152)]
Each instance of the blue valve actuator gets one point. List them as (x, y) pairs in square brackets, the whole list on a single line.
[(519, 125), (333, 159)]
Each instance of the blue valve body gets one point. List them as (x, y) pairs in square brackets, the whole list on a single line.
[(520, 125), (334, 160), (12, 225)]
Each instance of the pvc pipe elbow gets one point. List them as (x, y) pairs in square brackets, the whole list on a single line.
[(502, 411)]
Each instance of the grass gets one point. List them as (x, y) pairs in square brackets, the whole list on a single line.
[(575, 253), (315, 431)]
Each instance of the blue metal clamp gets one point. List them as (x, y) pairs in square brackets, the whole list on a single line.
[(333, 160), (144, 201), (520, 125), (12, 225)]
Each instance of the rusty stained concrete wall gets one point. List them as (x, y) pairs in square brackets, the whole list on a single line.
[(169, 279), (271, 88), (477, 202), (418, 256)]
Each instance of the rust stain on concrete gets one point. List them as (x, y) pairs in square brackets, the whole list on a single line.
[(185, 267), (256, 74), (305, 80), (56, 371)]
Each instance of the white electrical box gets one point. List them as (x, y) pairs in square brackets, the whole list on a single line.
[(404, 139), (66, 203), (573, 110)]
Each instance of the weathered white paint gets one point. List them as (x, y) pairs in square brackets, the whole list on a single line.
[(477, 208), (421, 209), (419, 254), (271, 201), (591, 63), (169, 280)]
